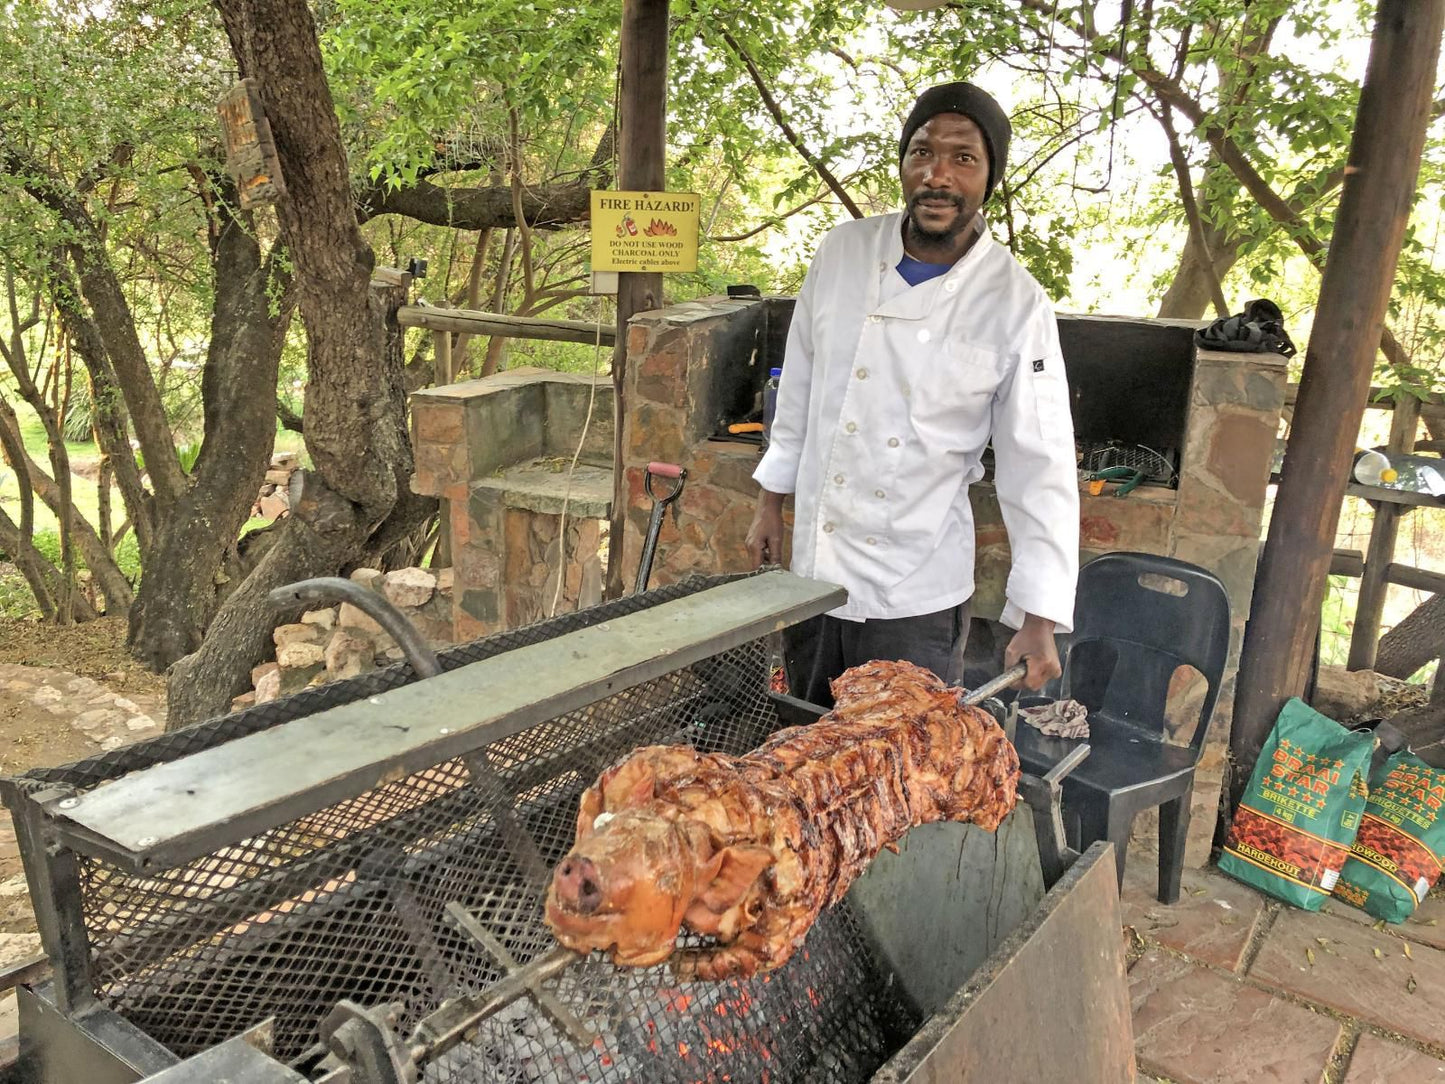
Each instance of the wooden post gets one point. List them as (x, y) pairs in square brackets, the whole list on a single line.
[(1384, 529), (641, 152), (1375, 204), (442, 361)]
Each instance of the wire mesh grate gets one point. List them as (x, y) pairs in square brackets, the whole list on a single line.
[(350, 902)]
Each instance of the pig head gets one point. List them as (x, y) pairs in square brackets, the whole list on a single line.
[(641, 867)]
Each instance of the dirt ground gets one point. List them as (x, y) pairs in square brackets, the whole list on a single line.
[(30, 735)]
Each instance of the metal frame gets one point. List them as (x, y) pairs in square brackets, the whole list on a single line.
[(271, 778)]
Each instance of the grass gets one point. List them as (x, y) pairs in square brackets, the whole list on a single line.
[(15, 597)]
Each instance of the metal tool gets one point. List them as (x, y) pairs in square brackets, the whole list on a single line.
[(1045, 795), (659, 506), (1009, 678), (329, 589)]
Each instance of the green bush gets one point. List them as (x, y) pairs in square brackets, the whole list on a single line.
[(127, 553)]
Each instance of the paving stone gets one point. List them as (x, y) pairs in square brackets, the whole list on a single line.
[(1417, 927), (1196, 1026), (97, 718), (1347, 975), (1377, 1061), (1212, 921)]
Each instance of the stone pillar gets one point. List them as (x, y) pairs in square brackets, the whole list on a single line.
[(500, 451), (692, 369), (1233, 425)]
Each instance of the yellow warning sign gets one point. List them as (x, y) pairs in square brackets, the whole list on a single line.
[(645, 231)]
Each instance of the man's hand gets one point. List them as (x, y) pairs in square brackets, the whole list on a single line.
[(1034, 644), (765, 536)]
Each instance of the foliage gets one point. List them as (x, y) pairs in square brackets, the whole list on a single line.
[(118, 101)]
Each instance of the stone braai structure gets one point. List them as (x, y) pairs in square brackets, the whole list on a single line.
[(497, 452)]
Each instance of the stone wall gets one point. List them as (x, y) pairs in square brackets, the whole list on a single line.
[(497, 452), (334, 642), (677, 400)]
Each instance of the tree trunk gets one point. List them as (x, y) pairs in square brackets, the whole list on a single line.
[(43, 577), (355, 410), (114, 587), (112, 427), (1412, 643), (1189, 294), (19, 543), (1354, 294), (180, 592)]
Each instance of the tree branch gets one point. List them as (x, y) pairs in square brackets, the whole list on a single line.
[(489, 207), (102, 290), (1191, 208), (791, 136)]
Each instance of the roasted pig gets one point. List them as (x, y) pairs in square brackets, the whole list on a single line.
[(750, 849)]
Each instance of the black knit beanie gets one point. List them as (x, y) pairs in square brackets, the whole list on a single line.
[(971, 102)]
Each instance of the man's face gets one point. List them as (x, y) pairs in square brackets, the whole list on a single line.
[(945, 175)]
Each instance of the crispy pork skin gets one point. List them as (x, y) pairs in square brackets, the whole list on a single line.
[(750, 849)]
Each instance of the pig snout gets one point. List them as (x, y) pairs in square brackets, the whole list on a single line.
[(578, 885)]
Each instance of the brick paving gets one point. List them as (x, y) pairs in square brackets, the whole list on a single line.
[(1378, 1060), (1235, 988), (1192, 1023), (1357, 970)]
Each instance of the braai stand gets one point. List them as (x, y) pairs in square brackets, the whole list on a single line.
[(342, 887)]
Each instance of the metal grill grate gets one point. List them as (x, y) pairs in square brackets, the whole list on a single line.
[(351, 902)]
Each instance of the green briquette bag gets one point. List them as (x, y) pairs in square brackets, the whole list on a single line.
[(1396, 857), (1294, 825)]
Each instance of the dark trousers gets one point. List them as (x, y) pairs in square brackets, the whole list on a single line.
[(818, 650)]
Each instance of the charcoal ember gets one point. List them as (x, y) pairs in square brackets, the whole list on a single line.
[(749, 850)]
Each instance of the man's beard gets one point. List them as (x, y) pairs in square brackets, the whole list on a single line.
[(945, 236)]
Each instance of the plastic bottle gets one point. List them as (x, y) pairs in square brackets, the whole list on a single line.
[(770, 404), (1373, 469)]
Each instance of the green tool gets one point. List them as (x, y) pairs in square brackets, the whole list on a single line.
[(1130, 476)]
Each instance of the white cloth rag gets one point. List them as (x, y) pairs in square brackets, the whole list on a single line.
[(1058, 719)]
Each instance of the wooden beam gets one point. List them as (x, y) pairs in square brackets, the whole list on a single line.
[(472, 322), (1417, 579), (1381, 495), (1379, 398), (641, 167), (1347, 563), (1384, 530), (1352, 563), (1381, 175)]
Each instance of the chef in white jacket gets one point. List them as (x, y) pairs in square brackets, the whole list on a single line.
[(916, 340)]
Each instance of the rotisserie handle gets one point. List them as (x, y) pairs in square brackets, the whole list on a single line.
[(1010, 677)]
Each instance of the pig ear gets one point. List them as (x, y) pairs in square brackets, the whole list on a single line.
[(634, 783), (733, 871), (587, 811)]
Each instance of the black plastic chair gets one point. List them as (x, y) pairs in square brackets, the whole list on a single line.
[(1131, 632)]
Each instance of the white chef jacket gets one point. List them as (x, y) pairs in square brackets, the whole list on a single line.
[(888, 396)]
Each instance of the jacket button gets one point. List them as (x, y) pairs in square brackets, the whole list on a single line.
[(874, 319), (892, 442), (852, 427), (828, 528), (861, 374), (950, 285), (838, 479), (924, 335), (879, 494), (871, 541)]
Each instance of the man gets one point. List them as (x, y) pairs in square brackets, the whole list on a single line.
[(917, 338)]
